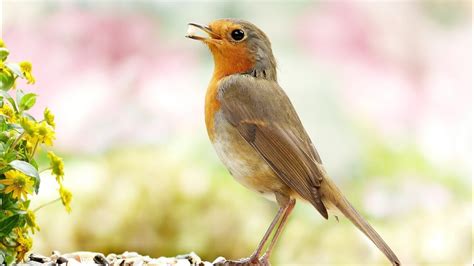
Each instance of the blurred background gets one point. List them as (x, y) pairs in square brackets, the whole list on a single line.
[(383, 88)]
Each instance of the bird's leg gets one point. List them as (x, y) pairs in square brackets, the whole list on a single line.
[(255, 256), (288, 208)]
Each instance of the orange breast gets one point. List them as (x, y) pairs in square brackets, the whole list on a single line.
[(211, 107), (228, 59)]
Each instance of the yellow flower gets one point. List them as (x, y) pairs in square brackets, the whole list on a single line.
[(35, 132), (46, 133), (8, 112), (30, 126), (57, 165), (66, 197), (31, 144), (26, 69), (31, 221), (49, 117), (31, 132), (5, 69), (18, 184), (2, 44), (24, 243)]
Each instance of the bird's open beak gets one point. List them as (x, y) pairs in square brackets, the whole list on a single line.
[(192, 32)]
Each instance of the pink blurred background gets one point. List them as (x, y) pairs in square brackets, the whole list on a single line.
[(383, 88)]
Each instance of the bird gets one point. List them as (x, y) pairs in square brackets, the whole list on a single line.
[(258, 136)]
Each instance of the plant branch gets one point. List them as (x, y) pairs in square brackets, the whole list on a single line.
[(46, 169), (46, 204), (34, 149), (17, 140)]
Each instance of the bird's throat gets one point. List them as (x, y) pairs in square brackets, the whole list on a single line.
[(234, 60)]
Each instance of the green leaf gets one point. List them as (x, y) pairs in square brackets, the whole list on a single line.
[(25, 168), (6, 225), (4, 137), (19, 95), (10, 156), (3, 125), (27, 101), (4, 53), (9, 259), (34, 163), (7, 202), (22, 221), (28, 170), (6, 81), (3, 170), (29, 116), (2, 257), (7, 96)]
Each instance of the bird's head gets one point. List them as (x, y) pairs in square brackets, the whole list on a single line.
[(237, 46)]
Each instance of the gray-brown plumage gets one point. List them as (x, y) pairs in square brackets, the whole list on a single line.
[(257, 133)]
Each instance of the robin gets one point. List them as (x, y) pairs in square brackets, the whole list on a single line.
[(258, 136)]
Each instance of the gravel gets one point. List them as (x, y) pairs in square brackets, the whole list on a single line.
[(124, 259)]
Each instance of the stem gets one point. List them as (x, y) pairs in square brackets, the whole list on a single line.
[(46, 204), (17, 140), (46, 169), (6, 244), (34, 149)]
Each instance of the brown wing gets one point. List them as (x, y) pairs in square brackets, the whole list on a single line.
[(266, 119)]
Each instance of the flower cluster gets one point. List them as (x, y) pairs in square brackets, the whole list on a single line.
[(21, 137)]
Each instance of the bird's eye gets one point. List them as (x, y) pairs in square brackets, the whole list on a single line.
[(237, 35)]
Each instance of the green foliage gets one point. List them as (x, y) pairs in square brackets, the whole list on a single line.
[(21, 137)]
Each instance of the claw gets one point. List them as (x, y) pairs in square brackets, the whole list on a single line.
[(264, 260), (252, 261)]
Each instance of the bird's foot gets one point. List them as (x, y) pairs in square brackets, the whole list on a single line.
[(251, 261), (265, 260)]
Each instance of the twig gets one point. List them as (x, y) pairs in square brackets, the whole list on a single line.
[(46, 204)]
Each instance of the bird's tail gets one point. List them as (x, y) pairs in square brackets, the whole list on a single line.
[(341, 203)]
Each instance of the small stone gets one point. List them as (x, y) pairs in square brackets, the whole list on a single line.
[(139, 263), (183, 262), (39, 258), (100, 259), (118, 261), (82, 256), (33, 263), (191, 257), (61, 260), (111, 257), (130, 254), (219, 260), (156, 263), (55, 255), (146, 259), (73, 262), (134, 261), (162, 261)]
